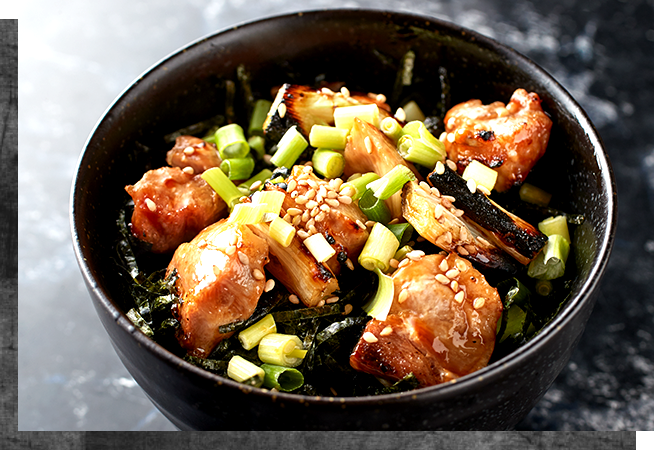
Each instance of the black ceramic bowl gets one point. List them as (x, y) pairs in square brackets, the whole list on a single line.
[(362, 48)]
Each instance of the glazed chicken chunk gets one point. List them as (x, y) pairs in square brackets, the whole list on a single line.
[(220, 278), (508, 138), (193, 152), (441, 326), (171, 207)]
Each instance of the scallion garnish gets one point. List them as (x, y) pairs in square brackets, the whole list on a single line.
[(380, 247), (402, 231), (481, 174), (391, 182), (261, 176), (322, 136), (328, 163), (256, 143), (282, 378), (272, 200), (238, 168), (282, 231), (392, 128), (251, 336), (550, 262), (533, 194), (247, 213), (413, 112), (258, 116), (319, 247), (290, 147), (231, 142), (222, 185), (374, 208), (345, 115), (359, 184), (378, 307), (281, 350), (419, 146), (244, 371), (555, 225)]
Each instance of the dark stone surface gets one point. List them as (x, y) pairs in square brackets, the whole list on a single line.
[(77, 56)]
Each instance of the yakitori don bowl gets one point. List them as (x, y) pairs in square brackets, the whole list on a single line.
[(363, 49)]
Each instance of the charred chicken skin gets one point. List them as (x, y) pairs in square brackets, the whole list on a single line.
[(220, 278), (171, 207), (508, 138), (441, 326)]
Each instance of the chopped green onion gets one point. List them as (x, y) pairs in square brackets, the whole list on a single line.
[(555, 225), (256, 143), (359, 184), (550, 262), (282, 231), (380, 247), (533, 194), (238, 168), (319, 247), (391, 182), (345, 115), (247, 213), (328, 163), (402, 231), (401, 252), (374, 208), (244, 371), (413, 112), (419, 146), (481, 174), (290, 147), (222, 185), (378, 307), (392, 128), (322, 136), (258, 116), (251, 336), (272, 200), (543, 287), (231, 142), (281, 350), (284, 379), (262, 176)]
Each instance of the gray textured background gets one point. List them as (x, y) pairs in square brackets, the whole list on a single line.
[(76, 56)]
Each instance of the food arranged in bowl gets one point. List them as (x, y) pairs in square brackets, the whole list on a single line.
[(407, 270), (339, 245)]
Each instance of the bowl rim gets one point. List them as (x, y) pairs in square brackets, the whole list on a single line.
[(494, 370)]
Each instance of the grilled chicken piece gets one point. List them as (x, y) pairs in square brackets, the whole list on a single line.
[(190, 151), (220, 277), (382, 158), (171, 207), (508, 138), (337, 217), (435, 218), (515, 236), (297, 270), (441, 326), (305, 106)]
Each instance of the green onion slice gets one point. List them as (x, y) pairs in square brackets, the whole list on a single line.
[(392, 182), (374, 208), (282, 378), (378, 307), (380, 247), (222, 185)]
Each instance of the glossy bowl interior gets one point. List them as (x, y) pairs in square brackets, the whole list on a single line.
[(363, 49)]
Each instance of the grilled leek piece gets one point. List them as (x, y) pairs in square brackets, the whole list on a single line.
[(434, 218), (515, 236), (305, 106)]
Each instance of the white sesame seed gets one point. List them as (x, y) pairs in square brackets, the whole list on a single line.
[(291, 185), (404, 262), (454, 286), (369, 337), (257, 274), (282, 109), (449, 198), (451, 165), (345, 92), (270, 284), (386, 331), (287, 218), (453, 273), (189, 150), (479, 302), (394, 263), (231, 250), (308, 168), (321, 217), (311, 204), (484, 190), (302, 234), (324, 207), (451, 137), (360, 224), (313, 184), (458, 212), (296, 221), (471, 185), (321, 303), (425, 187), (370, 223), (306, 216), (314, 211), (294, 211), (332, 300), (332, 194), (444, 265), (439, 211), (482, 240), (463, 234), (435, 191), (415, 255), (460, 296), (294, 299), (325, 90), (381, 98), (256, 185), (350, 265), (368, 145), (470, 248), (348, 308), (234, 239), (347, 191), (332, 202), (294, 194), (461, 265), (442, 278), (188, 170), (400, 114), (345, 199), (301, 200), (403, 295), (151, 205), (460, 249), (243, 258), (439, 167), (310, 194)]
